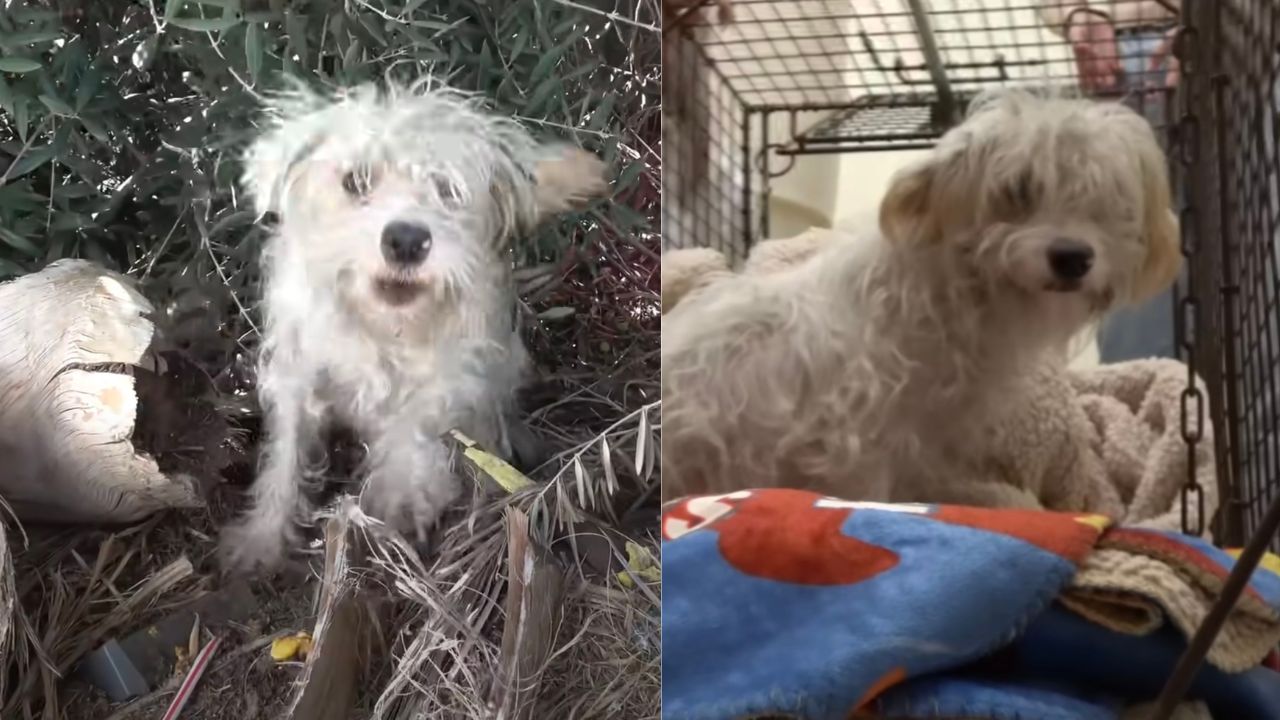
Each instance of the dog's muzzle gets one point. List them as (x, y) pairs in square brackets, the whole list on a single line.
[(405, 244)]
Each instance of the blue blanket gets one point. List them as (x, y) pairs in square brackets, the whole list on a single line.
[(789, 603)]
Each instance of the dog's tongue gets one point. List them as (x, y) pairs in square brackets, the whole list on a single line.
[(397, 292)]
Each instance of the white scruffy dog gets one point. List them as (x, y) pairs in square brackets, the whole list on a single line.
[(389, 304), (881, 367)]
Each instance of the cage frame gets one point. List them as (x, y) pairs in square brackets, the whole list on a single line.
[(1209, 302)]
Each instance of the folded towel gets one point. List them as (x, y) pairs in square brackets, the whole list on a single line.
[(1136, 579)]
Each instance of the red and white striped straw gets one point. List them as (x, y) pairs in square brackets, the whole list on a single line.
[(193, 677)]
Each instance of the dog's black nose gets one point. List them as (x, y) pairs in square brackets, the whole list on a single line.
[(405, 243), (1070, 259)]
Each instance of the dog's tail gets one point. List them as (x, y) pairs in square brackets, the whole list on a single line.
[(685, 270)]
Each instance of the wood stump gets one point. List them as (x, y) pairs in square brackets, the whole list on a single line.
[(70, 337)]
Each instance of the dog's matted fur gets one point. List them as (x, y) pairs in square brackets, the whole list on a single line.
[(879, 367), (388, 300)]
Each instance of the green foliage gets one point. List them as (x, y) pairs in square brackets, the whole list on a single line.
[(123, 121)]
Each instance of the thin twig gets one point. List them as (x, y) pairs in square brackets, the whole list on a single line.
[(611, 15)]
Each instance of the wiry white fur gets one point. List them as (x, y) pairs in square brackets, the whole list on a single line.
[(879, 367), (334, 346)]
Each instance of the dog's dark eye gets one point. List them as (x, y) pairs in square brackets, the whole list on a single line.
[(448, 192), (357, 183), (1022, 193)]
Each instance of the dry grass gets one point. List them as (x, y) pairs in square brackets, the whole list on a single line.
[(440, 608), (442, 611)]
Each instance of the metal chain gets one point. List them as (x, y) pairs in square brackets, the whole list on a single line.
[(1192, 404)]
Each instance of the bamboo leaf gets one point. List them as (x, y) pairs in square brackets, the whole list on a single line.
[(57, 105), (253, 49), (17, 242), (580, 480), (642, 436), (96, 129), (205, 24), (18, 65), (556, 313), (90, 82), (542, 94), (6, 96), (172, 8), (606, 459), (603, 114), (630, 174), (33, 159), (9, 269), (30, 37), (295, 26)]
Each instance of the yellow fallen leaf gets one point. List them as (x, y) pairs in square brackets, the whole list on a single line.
[(495, 467), (291, 646), (499, 470), (640, 564)]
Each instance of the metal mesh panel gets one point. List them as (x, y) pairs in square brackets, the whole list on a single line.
[(883, 74), (705, 163), (1244, 92)]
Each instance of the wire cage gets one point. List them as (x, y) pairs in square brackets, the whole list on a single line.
[(749, 95), (1232, 127), (746, 96)]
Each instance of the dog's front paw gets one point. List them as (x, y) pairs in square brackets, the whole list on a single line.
[(407, 506), (253, 545)]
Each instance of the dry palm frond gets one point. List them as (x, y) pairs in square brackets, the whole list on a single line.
[(624, 452)]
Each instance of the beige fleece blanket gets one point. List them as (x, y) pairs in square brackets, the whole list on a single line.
[(1129, 422), (1108, 439), (1104, 440)]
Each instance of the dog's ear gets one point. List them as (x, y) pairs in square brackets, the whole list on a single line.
[(564, 177), (1164, 256), (270, 163), (1160, 232), (292, 131), (906, 212)]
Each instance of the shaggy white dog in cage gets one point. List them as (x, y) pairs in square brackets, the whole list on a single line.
[(878, 367), (389, 304)]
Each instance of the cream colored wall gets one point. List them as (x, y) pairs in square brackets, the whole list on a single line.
[(864, 177), (808, 194)]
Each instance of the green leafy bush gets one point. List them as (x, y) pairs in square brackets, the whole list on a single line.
[(123, 122)]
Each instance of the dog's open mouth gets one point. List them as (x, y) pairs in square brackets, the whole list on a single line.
[(397, 291)]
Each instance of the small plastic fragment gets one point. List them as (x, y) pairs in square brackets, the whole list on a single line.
[(111, 669)]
